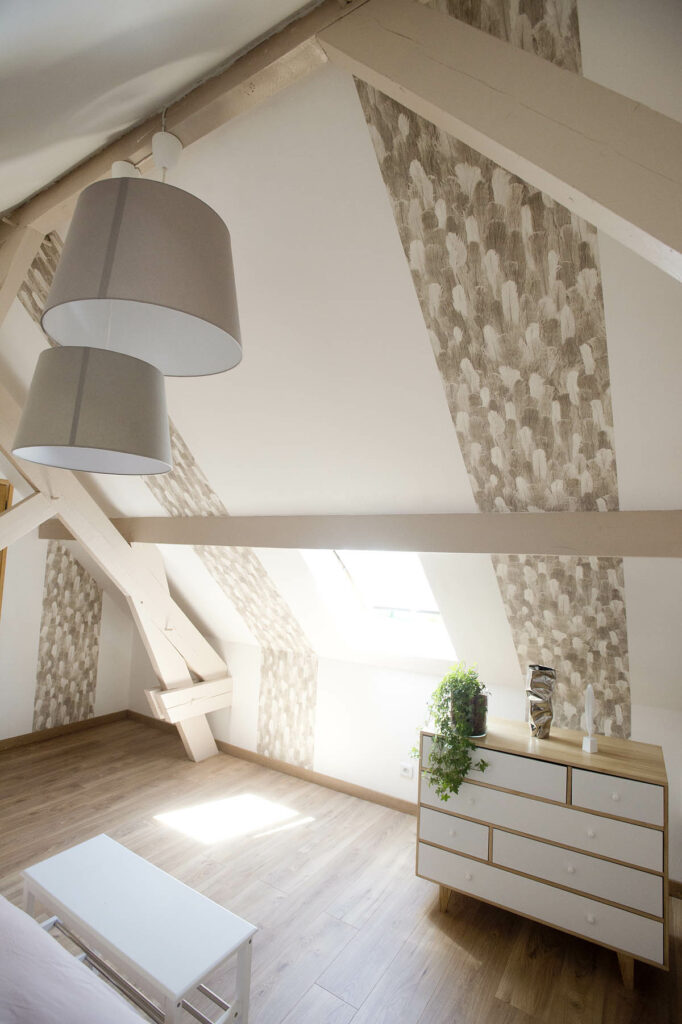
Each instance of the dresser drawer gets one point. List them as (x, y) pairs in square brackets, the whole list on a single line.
[(619, 840), (614, 882), (640, 801), (511, 771), (455, 833), (638, 936)]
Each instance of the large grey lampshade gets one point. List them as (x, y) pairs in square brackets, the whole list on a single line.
[(147, 270), (96, 411)]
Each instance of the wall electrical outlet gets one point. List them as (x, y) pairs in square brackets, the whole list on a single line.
[(406, 770)]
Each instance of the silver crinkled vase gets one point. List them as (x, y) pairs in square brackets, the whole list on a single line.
[(539, 688)]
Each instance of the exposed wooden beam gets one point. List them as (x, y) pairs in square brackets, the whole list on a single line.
[(613, 161), (169, 666), (274, 64), (86, 521), (180, 704), (19, 520), (655, 534)]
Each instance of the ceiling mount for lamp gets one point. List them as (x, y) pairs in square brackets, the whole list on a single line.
[(95, 411), (147, 271)]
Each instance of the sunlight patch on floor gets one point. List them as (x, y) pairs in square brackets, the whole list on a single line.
[(219, 820)]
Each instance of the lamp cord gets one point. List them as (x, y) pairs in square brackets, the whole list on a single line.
[(163, 128)]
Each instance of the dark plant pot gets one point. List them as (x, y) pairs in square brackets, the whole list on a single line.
[(478, 715)]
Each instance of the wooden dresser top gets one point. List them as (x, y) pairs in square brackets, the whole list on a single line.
[(627, 758)]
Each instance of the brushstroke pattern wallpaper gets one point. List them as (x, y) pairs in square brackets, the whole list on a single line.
[(68, 649), (33, 291), (510, 289), (288, 688), (548, 28)]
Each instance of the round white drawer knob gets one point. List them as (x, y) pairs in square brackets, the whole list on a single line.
[(615, 796), (468, 876), (452, 832), (570, 869), (471, 800), (591, 919), (591, 833)]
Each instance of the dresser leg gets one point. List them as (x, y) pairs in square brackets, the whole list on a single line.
[(627, 970), (443, 898)]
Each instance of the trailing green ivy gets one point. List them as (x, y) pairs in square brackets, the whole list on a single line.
[(452, 710)]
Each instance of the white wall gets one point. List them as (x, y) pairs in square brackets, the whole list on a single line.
[(115, 656), (634, 48), (20, 624), (141, 676), (19, 633)]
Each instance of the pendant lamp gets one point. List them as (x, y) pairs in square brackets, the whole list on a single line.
[(96, 411), (147, 271)]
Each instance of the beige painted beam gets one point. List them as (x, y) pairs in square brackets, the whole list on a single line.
[(19, 520), (86, 521), (612, 161), (179, 704), (656, 534), (173, 675), (274, 64)]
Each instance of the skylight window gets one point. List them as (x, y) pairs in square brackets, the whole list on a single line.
[(381, 602)]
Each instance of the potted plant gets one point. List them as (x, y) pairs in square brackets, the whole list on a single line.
[(458, 708)]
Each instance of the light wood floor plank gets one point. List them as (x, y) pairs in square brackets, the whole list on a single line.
[(347, 932), (320, 1007)]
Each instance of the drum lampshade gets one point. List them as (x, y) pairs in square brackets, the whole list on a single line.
[(147, 270), (96, 411)]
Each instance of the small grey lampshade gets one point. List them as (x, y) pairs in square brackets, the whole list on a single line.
[(95, 411), (147, 270)]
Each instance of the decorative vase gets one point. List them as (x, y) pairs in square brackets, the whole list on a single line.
[(478, 715), (539, 688)]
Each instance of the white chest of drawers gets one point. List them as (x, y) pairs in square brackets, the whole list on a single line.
[(575, 840)]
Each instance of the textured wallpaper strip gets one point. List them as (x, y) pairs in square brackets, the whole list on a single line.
[(288, 691), (509, 285), (69, 642), (36, 285), (548, 28)]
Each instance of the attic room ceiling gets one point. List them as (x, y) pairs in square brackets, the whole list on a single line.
[(339, 406), (71, 81)]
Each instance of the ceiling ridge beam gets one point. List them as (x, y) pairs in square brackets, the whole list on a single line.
[(612, 161), (643, 534), (280, 60)]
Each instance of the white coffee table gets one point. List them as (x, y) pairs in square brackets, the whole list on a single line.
[(159, 935)]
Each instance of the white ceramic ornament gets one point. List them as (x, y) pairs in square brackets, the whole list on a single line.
[(590, 745)]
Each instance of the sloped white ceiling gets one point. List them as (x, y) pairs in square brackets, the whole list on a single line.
[(74, 75), (337, 405)]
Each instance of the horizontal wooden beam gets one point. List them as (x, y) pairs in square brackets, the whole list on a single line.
[(181, 703), (19, 520), (611, 160), (277, 62), (634, 534)]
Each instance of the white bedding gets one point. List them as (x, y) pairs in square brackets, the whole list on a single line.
[(41, 983)]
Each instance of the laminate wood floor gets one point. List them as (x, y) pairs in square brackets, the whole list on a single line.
[(347, 932)]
